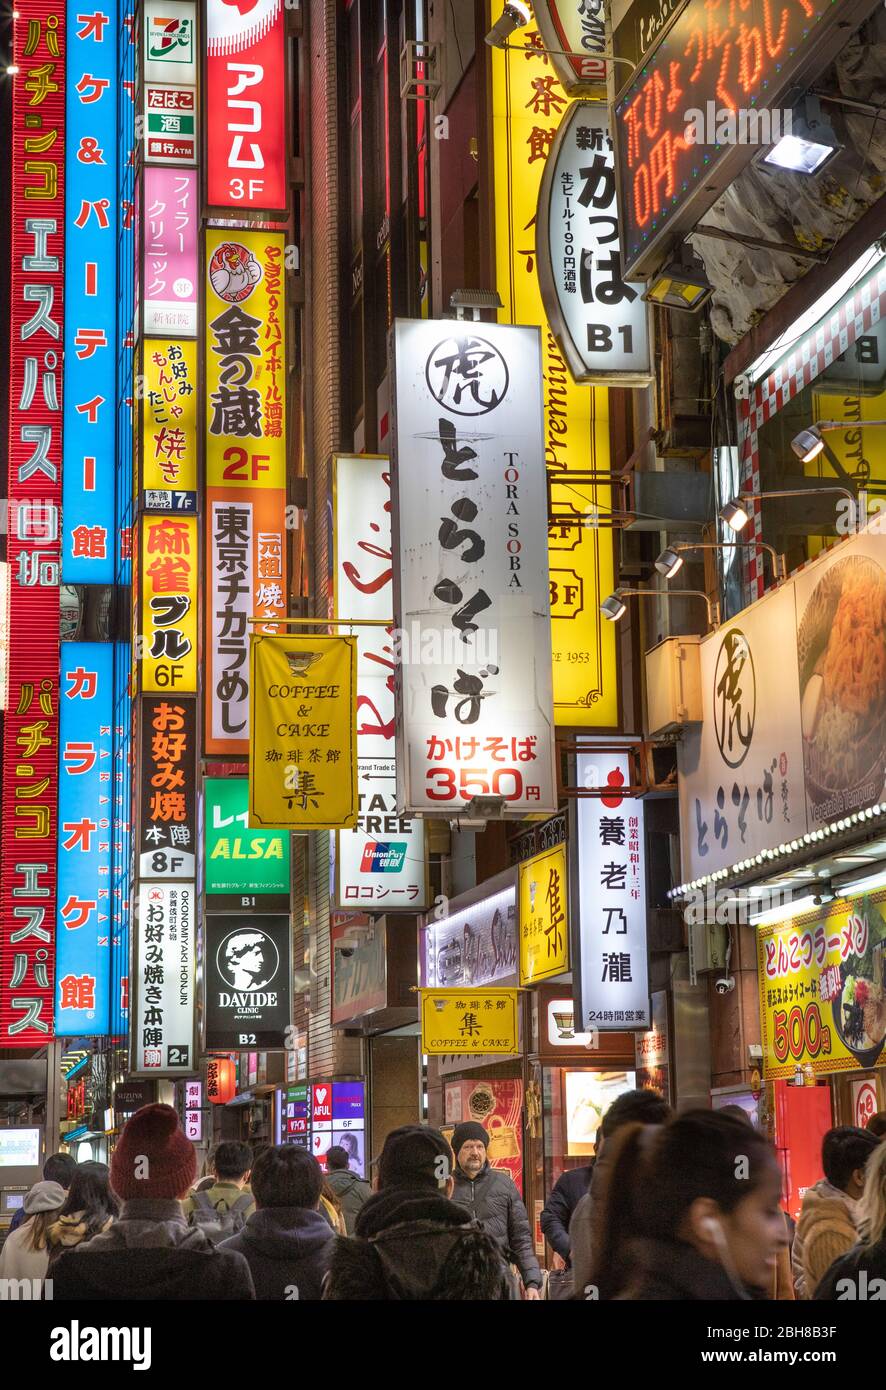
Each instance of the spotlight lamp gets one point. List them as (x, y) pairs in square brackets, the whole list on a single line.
[(670, 561), (808, 443), (808, 144), (614, 607), (515, 15), (736, 514), (679, 287)]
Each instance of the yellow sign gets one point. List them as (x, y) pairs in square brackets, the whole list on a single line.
[(245, 359), (823, 990), (859, 454), (528, 102), (469, 1020), (168, 587), (303, 733), (544, 919), (169, 425)]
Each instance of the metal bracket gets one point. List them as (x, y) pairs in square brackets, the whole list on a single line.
[(419, 70)]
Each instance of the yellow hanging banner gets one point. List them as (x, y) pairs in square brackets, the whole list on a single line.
[(544, 930), (469, 1020), (303, 733), (169, 425), (527, 105)]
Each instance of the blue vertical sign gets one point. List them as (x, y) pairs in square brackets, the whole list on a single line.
[(85, 814), (120, 880), (91, 201)]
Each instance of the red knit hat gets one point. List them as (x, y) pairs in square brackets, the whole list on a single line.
[(153, 1157)]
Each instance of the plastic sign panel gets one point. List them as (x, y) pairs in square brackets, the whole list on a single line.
[(474, 679), (476, 945), (574, 33), (171, 225), (381, 864), (601, 323), (170, 124), (90, 357), (544, 916), (85, 792), (168, 581), (167, 833), (34, 462), (610, 966), (248, 981), (170, 46), (338, 1116), (717, 52), (164, 1004), (246, 94), (244, 868), (169, 425), (303, 740), (822, 990), (528, 104), (245, 467), (469, 1020)]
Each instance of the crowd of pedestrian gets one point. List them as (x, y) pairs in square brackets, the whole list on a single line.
[(673, 1206)]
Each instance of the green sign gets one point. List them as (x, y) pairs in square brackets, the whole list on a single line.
[(242, 864)]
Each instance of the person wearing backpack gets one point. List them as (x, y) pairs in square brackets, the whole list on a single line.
[(220, 1211), (286, 1242), (150, 1251), (410, 1241)]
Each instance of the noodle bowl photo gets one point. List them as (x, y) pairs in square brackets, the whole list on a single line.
[(842, 659)]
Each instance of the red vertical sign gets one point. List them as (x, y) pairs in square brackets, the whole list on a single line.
[(30, 770), (246, 99)]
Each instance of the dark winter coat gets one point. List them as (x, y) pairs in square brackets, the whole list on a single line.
[(413, 1244), (867, 1260), (286, 1248), (671, 1270), (494, 1203), (567, 1192), (352, 1192), (151, 1252)]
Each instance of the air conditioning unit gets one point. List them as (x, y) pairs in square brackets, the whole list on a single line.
[(673, 685)]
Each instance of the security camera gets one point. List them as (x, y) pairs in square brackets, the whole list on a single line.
[(726, 985), (345, 952), (514, 16)]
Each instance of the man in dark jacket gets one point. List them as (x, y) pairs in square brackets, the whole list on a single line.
[(411, 1242), (491, 1197), (565, 1196), (351, 1190), (286, 1242), (151, 1251)]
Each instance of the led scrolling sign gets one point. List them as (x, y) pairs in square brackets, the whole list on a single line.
[(736, 54)]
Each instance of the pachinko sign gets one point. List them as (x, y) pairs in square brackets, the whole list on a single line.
[(245, 467), (246, 95), (823, 989), (33, 552), (474, 677)]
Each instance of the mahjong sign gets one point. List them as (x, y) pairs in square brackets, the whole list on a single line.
[(823, 990)]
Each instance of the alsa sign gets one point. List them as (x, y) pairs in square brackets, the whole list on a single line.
[(245, 79)]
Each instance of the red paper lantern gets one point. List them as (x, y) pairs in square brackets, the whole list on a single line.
[(221, 1080)]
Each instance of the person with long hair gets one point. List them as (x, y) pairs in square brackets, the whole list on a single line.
[(852, 1275), (25, 1253), (90, 1208), (690, 1211)]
